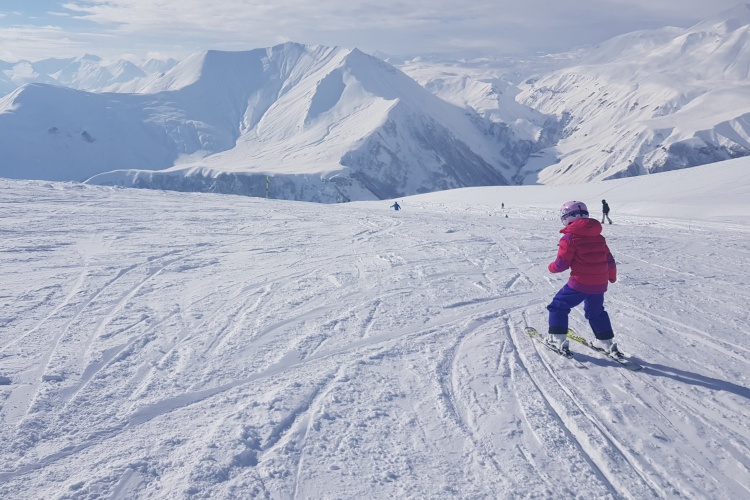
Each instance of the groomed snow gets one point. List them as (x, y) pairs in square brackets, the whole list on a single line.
[(182, 345)]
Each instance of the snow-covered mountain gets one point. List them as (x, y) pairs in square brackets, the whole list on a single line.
[(649, 101), (642, 102), (333, 124), (88, 72), (326, 124)]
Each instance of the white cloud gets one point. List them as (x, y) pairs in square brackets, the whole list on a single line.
[(390, 26), (38, 42)]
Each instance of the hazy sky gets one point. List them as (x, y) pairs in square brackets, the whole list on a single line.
[(36, 29)]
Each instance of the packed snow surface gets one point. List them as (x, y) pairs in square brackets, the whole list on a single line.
[(173, 345)]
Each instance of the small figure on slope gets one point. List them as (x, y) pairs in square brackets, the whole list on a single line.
[(396, 206), (584, 251), (605, 211)]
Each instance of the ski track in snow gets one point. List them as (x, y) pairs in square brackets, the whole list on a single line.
[(176, 345)]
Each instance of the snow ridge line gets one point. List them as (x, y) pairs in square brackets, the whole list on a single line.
[(682, 329), (580, 435), (167, 405), (445, 371), (525, 364)]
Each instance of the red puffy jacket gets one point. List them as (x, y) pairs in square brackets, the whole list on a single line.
[(584, 250)]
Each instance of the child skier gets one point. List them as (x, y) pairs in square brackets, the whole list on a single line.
[(584, 251)]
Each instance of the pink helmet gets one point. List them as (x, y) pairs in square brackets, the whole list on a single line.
[(573, 210)]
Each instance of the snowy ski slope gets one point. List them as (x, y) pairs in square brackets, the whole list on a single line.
[(182, 345)]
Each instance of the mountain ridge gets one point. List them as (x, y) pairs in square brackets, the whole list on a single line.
[(642, 102), (677, 101), (289, 110)]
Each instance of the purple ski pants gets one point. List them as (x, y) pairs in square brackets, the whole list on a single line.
[(593, 308)]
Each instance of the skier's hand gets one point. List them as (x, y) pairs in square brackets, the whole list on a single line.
[(612, 274)]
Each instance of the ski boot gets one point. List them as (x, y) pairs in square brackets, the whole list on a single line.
[(559, 342)]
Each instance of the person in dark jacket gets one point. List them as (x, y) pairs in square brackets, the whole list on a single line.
[(396, 206), (584, 251), (605, 211)]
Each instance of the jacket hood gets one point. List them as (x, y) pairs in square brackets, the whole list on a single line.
[(583, 227)]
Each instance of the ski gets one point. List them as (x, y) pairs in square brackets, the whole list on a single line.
[(625, 363), (534, 334)]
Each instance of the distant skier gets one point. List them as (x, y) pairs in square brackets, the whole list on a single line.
[(605, 211), (396, 206), (584, 251)]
